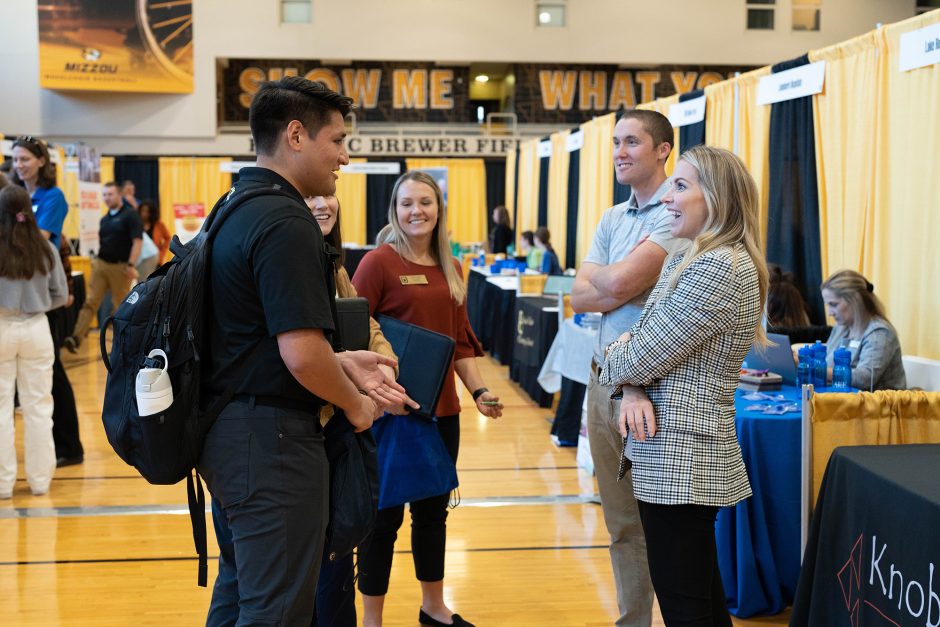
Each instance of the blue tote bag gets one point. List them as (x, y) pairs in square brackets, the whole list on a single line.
[(413, 462)]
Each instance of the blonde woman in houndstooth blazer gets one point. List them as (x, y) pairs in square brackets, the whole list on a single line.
[(678, 370)]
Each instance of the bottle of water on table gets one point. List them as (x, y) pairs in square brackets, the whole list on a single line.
[(842, 369)]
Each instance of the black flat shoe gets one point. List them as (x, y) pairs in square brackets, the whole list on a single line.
[(68, 461), (424, 619)]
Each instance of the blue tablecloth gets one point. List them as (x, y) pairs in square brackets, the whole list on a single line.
[(759, 539)]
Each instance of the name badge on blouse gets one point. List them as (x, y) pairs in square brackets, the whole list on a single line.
[(413, 279), (854, 344)]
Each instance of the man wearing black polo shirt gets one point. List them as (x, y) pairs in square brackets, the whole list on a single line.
[(119, 240), (263, 458)]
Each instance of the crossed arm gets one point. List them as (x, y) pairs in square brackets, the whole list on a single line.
[(605, 288)]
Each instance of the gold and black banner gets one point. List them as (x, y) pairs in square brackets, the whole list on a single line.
[(559, 93), (116, 45), (383, 91)]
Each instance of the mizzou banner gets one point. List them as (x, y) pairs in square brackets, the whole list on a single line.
[(116, 45), (552, 93), (383, 91)]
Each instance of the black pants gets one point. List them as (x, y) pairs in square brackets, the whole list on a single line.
[(683, 562), (428, 530), (267, 471), (64, 414)]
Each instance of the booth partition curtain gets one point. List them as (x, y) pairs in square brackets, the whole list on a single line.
[(189, 180), (845, 115), (67, 181), (528, 185), (596, 173), (692, 134), (107, 175), (904, 258), (557, 196), (351, 193), (512, 167), (466, 196), (571, 216), (378, 195), (793, 219), (544, 163), (720, 114), (144, 171), (754, 138)]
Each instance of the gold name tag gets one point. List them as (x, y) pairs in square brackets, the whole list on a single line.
[(413, 279)]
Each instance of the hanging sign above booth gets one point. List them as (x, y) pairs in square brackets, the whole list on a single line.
[(799, 82), (920, 48), (552, 93), (382, 90), (688, 112)]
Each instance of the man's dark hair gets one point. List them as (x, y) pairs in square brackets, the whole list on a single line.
[(279, 102), (654, 123), (112, 184)]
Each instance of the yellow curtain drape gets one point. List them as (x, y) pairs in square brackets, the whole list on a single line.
[(719, 115), (662, 106), (466, 196), (596, 179), (107, 176), (67, 181), (884, 417), (510, 201), (186, 180), (351, 193), (558, 194), (527, 213), (845, 116), (904, 258), (754, 138)]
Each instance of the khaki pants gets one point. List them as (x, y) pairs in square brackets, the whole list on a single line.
[(26, 356), (621, 515), (104, 277)]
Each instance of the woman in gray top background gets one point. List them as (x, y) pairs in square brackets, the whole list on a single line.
[(863, 328), (31, 283)]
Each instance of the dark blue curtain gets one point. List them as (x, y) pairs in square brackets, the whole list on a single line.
[(574, 181), (691, 134), (378, 195), (793, 203), (495, 188), (144, 171), (515, 195), (543, 189), (621, 192)]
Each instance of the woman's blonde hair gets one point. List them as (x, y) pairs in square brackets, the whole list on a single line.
[(731, 199), (393, 234), (859, 293)]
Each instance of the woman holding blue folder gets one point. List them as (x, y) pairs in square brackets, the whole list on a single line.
[(413, 277)]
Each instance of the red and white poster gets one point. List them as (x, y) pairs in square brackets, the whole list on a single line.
[(89, 216), (189, 219)]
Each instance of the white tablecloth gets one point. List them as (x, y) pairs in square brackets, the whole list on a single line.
[(570, 356)]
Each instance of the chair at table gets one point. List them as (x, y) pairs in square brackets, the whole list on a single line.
[(922, 373), (831, 420), (531, 284)]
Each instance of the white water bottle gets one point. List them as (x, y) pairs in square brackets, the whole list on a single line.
[(153, 387)]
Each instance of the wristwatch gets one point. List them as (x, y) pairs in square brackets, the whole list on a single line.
[(477, 393)]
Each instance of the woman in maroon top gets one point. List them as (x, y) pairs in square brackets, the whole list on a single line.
[(414, 245)]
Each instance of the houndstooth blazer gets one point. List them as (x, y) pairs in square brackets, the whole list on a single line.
[(686, 351)]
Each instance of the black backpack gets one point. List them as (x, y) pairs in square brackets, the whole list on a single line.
[(168, 311)]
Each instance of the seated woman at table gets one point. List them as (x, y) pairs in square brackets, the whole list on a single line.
[(863, 328), (678, 367), (787, 312), (532, 254), (543, 242)]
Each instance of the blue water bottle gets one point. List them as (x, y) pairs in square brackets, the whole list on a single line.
[(819, 365), (842, 369), (804, 369)]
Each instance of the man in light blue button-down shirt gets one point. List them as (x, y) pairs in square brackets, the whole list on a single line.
[(630, 245)]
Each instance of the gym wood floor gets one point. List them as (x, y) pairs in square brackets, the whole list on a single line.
[(526, 546)]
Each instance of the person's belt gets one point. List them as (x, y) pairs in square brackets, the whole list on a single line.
[(100, 258), (312, 408)]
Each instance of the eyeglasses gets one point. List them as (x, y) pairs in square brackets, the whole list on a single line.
[(34, 145), (26, 139)]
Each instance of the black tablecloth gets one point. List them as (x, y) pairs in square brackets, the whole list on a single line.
[(533, 335), (873, 555), (490, 310)]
